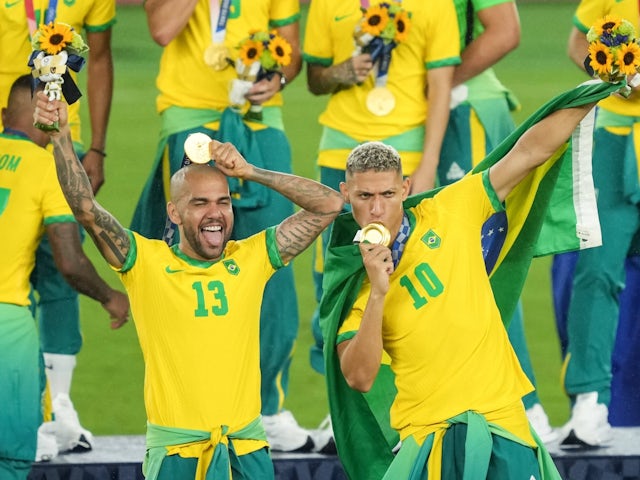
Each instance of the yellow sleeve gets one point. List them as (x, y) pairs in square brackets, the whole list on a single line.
[(101, 16)]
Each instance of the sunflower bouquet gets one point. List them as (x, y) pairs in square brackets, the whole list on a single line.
[(614, 52), (381, 27), (56, 50), (260, 55)]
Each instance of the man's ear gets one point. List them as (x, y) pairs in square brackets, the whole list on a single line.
[(406, 188), (173, 214), (345, 192)]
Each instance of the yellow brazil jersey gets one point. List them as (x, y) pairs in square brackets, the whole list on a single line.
[(432, 42), (15, 43), (587, 13), (186, 81), (198, 326), (441, 327), (30, 198)]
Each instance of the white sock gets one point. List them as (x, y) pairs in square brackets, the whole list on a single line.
[(59, 370)]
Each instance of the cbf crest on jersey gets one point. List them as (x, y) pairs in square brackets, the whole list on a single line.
[(231, 266), (431, 239)]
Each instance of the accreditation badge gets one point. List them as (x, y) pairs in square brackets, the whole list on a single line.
[(380, 101)]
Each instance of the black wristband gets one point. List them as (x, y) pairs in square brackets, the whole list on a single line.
[(98, 151)]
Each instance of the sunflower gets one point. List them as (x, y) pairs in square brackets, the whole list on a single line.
[(250, 51), (607, 24), (280, 50), (628, 58), (375, 20), (402, 22), (601, 58), (54, 37)]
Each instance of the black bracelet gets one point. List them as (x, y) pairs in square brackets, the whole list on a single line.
[(98, 151)]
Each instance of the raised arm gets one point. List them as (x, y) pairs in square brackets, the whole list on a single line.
[(535, 147), (79, 272), (107, 233), (319, 204)]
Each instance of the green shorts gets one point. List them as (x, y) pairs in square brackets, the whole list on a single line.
[(20, 385), (508, 459), (253, 466)]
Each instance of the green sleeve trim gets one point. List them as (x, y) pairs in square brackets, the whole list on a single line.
[(445, 62), (59, 219), (100, 28), (498, 206), (272, 248), (578, 24), (283, 22), (491, 3), (343, 337), (325, 62), (132, 255)]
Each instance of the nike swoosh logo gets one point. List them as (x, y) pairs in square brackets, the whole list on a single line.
[(9, 4), (170, 270), (338, 18)]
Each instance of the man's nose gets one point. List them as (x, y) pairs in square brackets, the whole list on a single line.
[(377, 206)]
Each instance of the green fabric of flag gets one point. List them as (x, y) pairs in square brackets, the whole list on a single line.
[(363, 435)]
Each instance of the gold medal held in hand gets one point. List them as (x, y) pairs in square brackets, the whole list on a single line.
[(380, 101), (196, 147), (374, 233), (216, 55)]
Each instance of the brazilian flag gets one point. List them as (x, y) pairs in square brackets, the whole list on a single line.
[(362, 432)]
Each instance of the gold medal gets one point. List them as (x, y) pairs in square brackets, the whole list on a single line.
[(216, 55), (196, 147), (374, 233), (380, 101)]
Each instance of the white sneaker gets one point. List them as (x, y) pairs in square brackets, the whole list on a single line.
[(322, 436), (47, 448), (589, 424), (285, 435), (540, 423), (70, 435)]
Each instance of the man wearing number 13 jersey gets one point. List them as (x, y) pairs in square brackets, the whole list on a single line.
[(196, 305)]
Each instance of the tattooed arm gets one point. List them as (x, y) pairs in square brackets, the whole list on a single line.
[(322, 80), (107, 233), (320, 204)]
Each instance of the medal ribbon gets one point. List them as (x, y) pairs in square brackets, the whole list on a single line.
[(380, 51), (219, 14), (397, 248), (49, 15)]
